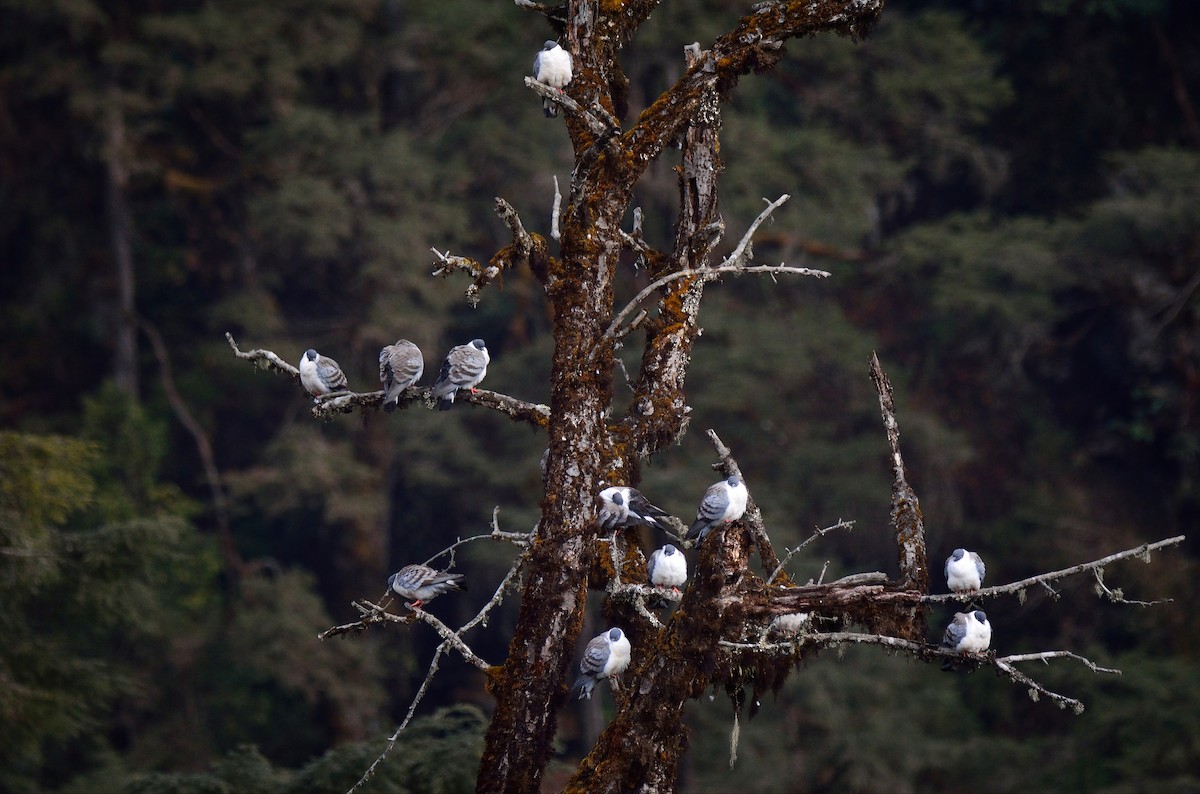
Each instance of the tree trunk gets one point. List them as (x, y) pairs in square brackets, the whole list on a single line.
[(116, 182)]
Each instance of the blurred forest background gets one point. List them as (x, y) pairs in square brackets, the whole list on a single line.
[(1006, 193)]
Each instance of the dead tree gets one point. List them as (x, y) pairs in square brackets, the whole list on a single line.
[(722, 632)]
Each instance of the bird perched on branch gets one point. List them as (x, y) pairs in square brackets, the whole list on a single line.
[(964, 571), (607, 655), (667, 567), (552, 66), (968, 633), (465, 366), (723, 502), (320, 374), (400, 366), (622, 507), (422, 584)]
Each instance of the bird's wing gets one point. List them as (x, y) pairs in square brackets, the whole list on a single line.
[(955, 632), (595, 656), (642, 506), (653, 562), (714, 504), (979, 566), (330, 373), (415, 576)]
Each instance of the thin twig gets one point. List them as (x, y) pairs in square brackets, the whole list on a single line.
[(703, 274), (1046, 656), (841, 524), (1117, 596), (412, 709)]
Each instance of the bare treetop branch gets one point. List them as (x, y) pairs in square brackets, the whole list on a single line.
[(754, 45)]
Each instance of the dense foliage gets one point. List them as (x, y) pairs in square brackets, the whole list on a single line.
[(1008, 198)]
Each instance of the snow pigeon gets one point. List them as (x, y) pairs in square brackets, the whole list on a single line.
[(964, 571), (605, 656), (465, 366), (422, 583), (552, 66), (723, 502), (400, 366), (790, 624), (968, 633), (622, 507), (667, 568), (320, 374)]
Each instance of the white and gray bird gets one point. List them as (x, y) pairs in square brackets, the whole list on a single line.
[(964, 571), (400, 366), (621, 506), (321, 374), (667, 567), (607, 655), (968, 633), (465, 366), (420, 583), (552, 66), (723, 502)]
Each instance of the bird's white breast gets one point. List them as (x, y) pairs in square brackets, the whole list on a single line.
[(618, 657), (555, 67)]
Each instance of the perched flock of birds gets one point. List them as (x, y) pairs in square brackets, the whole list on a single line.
[(400, 366), (621, 507), (607, 655)]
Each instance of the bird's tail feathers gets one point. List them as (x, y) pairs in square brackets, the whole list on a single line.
[(584, 685), (445, 403), (549, 108)]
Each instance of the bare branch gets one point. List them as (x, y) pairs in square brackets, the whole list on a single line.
[(743, 252), (1046, 656), (555, 13), (412, 709), (451, 637), (755, 44), (264, 359), (601, 123), (907, 521), (704, 274), (1018, 588), (924, 652), (820, 533), (525, 248)]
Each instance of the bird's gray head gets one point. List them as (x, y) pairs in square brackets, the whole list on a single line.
[(958, 554), (310, 354), (614, 635), (669, 549), (980, 616), (617, 499), (549, 45), (733, 482), (478, 343)]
